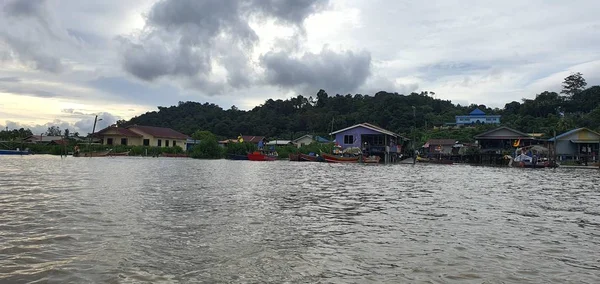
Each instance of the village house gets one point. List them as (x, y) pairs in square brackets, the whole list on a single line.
[(577, 144), (253, 139), (139, 135), (309, 139), (477, 116), (440, 147), (503, 139), (373, 140), (41, 139)]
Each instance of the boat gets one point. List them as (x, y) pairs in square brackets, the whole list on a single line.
[(531, 157), (118, 154), (371, 159), (171, 155), (262, 156), (294, 157), (331, 158), (311, 158), (15, 152), (237, 157), (93, 154)]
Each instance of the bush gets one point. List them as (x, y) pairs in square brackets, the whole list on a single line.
[(240, 148), (207, 149)]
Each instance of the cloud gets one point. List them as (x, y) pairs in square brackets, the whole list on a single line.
[(207, 45), (335, 72), (83, 126), (10, 79), (31, 18)]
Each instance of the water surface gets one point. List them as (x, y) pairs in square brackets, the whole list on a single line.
[(131, 220)]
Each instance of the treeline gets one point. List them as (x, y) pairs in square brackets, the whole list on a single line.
[(576, 106)]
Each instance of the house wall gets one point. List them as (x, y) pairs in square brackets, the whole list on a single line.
[(565, 147), (469, 119), (154, 140), (304, 141), (357, 132), (131, 141)]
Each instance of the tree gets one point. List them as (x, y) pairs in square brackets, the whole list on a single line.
[(573, 84), (67, 132), (53, 131), (201, 135)]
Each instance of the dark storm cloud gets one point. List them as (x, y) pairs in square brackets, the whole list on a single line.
[(25, 26), (338, 72), (10, 79), (290, 11), (183, 38), (24, 7)]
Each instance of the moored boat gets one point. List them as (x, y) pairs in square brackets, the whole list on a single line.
[(93, 154), (15, 152), (171, 155), (294, 157), (237, 157), (118, 154), (330, 158), (310, 158), (371, 159), (262, 156)]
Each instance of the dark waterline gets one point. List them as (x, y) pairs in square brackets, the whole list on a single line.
[(130, 220)]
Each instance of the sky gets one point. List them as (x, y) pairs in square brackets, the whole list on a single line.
[(62, 62)]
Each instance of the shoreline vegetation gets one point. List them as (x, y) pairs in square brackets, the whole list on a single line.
[(548, 114)]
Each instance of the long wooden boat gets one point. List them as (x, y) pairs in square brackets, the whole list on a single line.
[(93, 154), (295, 157), (171, 155), (15, 152), (330, 158), (310, 158), (237, 157), (118, 154), (261, 156)]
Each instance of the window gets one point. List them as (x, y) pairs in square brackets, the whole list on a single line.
[(123, 141), (146, 142), (166, 143), (174, 143), (348, 139), (109, 141), (159, 143)]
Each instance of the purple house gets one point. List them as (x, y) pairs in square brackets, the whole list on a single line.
[(373, 140)]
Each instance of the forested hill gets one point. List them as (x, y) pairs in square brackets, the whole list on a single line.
[(291, 118)]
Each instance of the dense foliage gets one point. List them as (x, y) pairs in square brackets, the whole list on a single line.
[(289, 119)]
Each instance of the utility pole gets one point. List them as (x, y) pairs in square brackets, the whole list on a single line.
[(91, 136), (414, 134)]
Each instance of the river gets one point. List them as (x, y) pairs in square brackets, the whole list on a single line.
[(168, 220)]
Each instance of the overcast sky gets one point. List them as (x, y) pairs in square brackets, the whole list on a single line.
[(63, 61)]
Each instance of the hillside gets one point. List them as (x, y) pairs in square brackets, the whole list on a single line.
[(294, 117)]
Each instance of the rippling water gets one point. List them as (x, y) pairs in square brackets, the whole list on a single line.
[(131, 220)]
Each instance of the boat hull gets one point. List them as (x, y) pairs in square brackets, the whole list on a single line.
[(295, 157), (339, 159), (14, 152), (237, 157), (310, 158), (372, 160), (93, 154), (258, 156)]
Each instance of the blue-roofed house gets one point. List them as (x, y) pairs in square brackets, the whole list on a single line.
[(477, 116), (577, 144)]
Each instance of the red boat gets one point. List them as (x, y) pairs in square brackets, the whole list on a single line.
[(330, 158), (262, 156)]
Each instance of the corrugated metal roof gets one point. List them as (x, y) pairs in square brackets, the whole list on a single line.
[(121, 130), (160, 132), (571, 132), (368, 126)]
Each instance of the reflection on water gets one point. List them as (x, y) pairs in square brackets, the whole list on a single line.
[(128, 220)]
